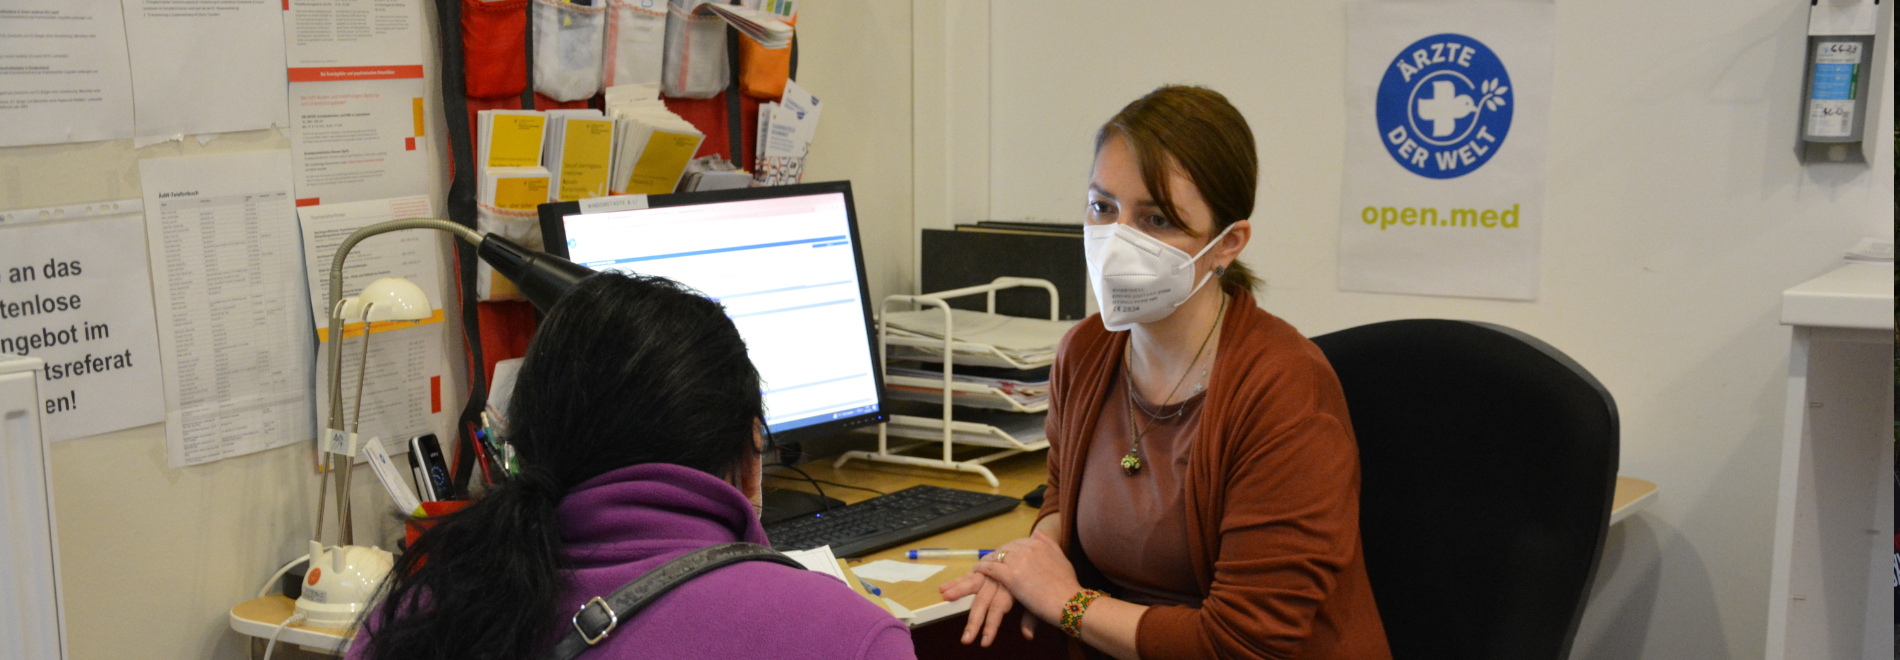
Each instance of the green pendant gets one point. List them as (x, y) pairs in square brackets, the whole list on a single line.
[(1131, 463)]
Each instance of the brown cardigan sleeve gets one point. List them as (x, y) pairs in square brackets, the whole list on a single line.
[(1053, 429), (1288, 527)]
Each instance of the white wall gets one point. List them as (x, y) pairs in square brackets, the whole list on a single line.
[(1677, 214)]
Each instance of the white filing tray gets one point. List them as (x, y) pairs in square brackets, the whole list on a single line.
[(1018, 430)]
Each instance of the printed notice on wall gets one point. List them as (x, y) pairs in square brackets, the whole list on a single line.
[(64, 76), (233, 324), (402, 397), (205, 66), (359, 139), (75, 295), (1447, 109), (411, 254)]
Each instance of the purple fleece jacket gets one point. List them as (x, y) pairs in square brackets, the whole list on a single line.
[(622, 524)]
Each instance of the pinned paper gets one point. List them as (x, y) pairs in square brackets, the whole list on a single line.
[(886, 570)]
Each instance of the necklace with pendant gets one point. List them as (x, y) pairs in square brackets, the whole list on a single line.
[(1131, 462)]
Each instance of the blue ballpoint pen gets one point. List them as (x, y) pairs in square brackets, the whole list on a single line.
[(867, 587), (945, 553)]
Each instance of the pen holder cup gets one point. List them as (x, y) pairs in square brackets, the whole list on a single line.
[(414, 527)]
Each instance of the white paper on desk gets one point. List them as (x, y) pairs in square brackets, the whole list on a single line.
[(821, 560), (409, 254), (206, 66), (332, 34), (886, 570), (228, 284), (403, 396), (359, 139), (83, 284), (67, 78)]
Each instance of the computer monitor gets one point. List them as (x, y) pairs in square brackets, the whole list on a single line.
[(786, 262)]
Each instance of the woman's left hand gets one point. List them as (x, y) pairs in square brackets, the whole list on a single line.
[(1036, 573)]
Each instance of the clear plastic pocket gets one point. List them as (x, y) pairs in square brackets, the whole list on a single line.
[(568, 41)]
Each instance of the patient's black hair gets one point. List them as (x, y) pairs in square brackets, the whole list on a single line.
[(624, 370)]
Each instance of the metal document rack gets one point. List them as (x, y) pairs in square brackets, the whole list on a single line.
[(999, 421)]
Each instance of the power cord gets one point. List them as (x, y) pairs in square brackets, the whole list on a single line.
[(815, 482), (265, 590), (272, 646)]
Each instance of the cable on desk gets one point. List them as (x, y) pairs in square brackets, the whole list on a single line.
[(272, 646), (815, 482)]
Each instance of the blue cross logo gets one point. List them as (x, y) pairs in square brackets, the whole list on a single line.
[(1444, 106)]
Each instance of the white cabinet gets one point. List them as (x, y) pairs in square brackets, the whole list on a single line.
[(1830, 594), (30, 619)]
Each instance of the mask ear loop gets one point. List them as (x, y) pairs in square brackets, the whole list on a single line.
[(1218, 270)]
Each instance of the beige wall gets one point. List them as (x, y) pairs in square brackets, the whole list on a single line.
[(153, 558)]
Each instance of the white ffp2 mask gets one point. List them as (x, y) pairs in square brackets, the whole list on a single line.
[(1138, 278)]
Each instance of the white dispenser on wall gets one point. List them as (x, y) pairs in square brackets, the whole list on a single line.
[(32, 619), (1836, 104)]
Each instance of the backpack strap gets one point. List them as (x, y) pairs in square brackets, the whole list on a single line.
[(600, 616)]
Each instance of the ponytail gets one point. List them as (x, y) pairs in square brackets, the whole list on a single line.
[(482, 583), (1240, 276), (625, 370)]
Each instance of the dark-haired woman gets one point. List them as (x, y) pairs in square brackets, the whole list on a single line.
[(636, 419), (1203, 478)]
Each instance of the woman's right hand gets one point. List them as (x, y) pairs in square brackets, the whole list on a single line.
[(987, 609)]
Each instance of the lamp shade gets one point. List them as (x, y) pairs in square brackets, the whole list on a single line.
[(389, 299), (542, 278)]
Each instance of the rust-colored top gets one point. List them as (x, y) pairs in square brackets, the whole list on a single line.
[(1271, 496), (1134, 527)]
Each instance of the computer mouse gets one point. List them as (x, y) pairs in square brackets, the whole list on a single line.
[(1034, 498)]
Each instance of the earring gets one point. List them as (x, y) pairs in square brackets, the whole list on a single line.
[(1220, 271)]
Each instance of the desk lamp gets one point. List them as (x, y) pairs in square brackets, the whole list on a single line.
[(344, 577)]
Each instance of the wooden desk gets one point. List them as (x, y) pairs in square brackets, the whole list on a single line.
[(1018, 475)]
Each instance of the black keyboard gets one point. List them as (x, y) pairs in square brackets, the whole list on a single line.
[(886, 520)]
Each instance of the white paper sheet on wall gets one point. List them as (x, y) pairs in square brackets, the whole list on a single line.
[(410, 254), (206, 66), (74, 295), (228, 283), (403, 396), (65, 76), (333, 34), (359, 139)]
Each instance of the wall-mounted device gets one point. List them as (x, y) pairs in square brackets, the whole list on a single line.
[(1835, 103)]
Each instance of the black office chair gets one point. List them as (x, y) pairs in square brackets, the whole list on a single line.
[(1488, 461)]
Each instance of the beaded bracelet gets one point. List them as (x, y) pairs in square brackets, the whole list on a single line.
[(1073, 610)]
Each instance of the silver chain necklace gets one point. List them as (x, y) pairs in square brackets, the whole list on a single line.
[(1131, 462)]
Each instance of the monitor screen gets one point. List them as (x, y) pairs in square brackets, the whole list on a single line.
[(786, 263)]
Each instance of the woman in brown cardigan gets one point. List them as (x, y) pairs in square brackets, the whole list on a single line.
[(1202, 467)]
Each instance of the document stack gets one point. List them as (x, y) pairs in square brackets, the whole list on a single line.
[(964, 379), (508, 149), (578, 154), (761, 26), (651, 145)]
